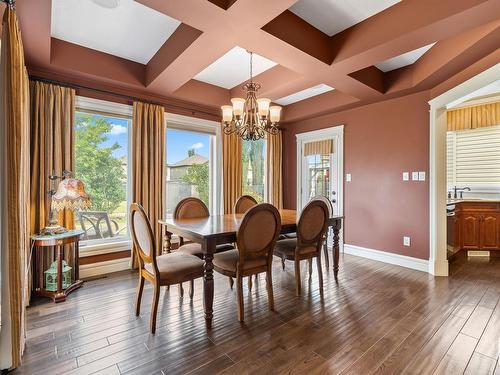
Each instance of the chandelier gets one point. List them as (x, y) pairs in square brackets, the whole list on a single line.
[(250, 118)]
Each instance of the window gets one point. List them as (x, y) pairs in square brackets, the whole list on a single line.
[(189, 167), (101, 162), (473, 158), (253, 154)]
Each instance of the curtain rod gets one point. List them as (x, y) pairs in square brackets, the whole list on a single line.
[(124, 96)]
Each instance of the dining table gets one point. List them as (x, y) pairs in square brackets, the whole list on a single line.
[(213, 230)]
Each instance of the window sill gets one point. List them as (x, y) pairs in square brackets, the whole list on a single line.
[(105, 248)]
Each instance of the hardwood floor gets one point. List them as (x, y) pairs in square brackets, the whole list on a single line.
[(379, 319)]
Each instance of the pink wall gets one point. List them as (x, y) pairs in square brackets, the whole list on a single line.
[(381, 141)]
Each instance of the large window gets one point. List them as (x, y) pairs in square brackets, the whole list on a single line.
[(189, 167), (253, 176), (101, 162)]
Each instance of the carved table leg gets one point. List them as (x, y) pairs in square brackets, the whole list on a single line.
[(325, 249), (336, 250), (167, 242), (208, 282)]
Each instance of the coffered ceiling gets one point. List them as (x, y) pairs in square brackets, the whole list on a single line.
[(195, 50)]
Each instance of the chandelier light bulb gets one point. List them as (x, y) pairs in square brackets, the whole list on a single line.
[(263, 105), (238, 105), (274, 113), (227, 113)]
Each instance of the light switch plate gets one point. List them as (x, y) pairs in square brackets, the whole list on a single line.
[(406, 241), (348, 177), (414, 176), (406, 176), (421, 176)]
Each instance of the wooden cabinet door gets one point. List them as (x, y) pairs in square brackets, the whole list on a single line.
[(470, 231), (489, 232)]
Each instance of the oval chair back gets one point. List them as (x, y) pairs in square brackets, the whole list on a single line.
[(257, 234), (190, 208), (244, 203), (312, 224), (142, 236), (328, 202)]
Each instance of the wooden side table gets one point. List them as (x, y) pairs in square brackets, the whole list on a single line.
[(43, 243)]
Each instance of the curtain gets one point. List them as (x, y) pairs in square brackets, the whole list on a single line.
[(274, 185), (148, 164), (14, 198), (478, 116), (52, 152), (231, 170), (324, 147)]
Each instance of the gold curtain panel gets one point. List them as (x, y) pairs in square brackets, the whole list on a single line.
[(473, 117), (231, 170), (274, 184), (324, 147)]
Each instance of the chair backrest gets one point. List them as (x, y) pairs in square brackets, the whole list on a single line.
[(326, 200), (258, 233), (244, 203), (312, 224), (142, 235), (189, 208)]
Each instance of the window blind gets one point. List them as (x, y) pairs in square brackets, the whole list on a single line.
[(473, 157)]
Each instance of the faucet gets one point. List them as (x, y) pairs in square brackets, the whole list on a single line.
[(461, 190)]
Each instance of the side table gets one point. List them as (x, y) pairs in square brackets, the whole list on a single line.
[(43, 243)]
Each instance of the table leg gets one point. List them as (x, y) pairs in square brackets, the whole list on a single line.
[(167, 242), (77, 261), (325, 248), (336, 250), (208, 281), (59, 297), (35, 269)]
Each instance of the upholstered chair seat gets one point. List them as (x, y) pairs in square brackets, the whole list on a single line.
[(287, 248), (175, 267), (228, 261)]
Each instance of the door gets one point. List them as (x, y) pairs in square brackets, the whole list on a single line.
[(470, 231), (320, 168), (489, 236)]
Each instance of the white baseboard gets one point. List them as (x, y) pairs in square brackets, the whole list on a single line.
[(103, 268), (382, 256)]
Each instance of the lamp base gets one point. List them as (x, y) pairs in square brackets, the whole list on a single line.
[(53, 230)]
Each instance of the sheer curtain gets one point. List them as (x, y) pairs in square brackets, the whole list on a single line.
[(14, 198)]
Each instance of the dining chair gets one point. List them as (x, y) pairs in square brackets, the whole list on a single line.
[(191, 208), (255, 241), (160, 270), (242, 205), (310, 236)]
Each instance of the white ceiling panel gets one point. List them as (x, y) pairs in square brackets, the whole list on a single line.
[(233, 68), (122, 28), (405, 59), (334, 16), (304, 94)]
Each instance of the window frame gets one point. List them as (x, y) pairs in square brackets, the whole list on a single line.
[(122, 111)]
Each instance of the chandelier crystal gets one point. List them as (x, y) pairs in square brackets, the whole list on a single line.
[(252, 117)]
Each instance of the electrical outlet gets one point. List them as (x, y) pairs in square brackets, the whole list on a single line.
[(406, 176), (414, 176), (421, 176), (348, 177), (406, 241)]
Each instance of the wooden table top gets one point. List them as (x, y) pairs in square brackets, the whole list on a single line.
[(215, 225)]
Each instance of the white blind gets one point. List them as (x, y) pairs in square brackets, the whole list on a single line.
[(473, 157)]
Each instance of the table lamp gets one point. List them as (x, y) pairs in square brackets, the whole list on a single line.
[(70, 195)]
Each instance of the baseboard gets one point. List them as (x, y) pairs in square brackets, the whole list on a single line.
[(382, 256), (103, 268)]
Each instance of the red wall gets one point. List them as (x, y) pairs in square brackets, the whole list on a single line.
[(381, 141)]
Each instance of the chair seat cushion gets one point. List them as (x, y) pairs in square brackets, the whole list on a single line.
[(228, 260), (195, 249), (287, 247), (177, 266)]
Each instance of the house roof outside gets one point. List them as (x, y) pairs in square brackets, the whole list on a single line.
[(191, 160)]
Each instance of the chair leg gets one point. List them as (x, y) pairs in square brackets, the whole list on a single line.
[(310, 268), (239, 288), (181, 290), (283, 263), (325, 251), (269, 283), (154, 308), (191, 289), (231, 282), (298, 288), (249, 283), (320, 273), (140, 288)]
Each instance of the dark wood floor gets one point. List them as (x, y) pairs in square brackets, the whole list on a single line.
[(379, 319)]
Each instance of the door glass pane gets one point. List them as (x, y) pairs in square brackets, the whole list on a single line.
[(188, 167), (101, 155), (318, 175), (253, 158)]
